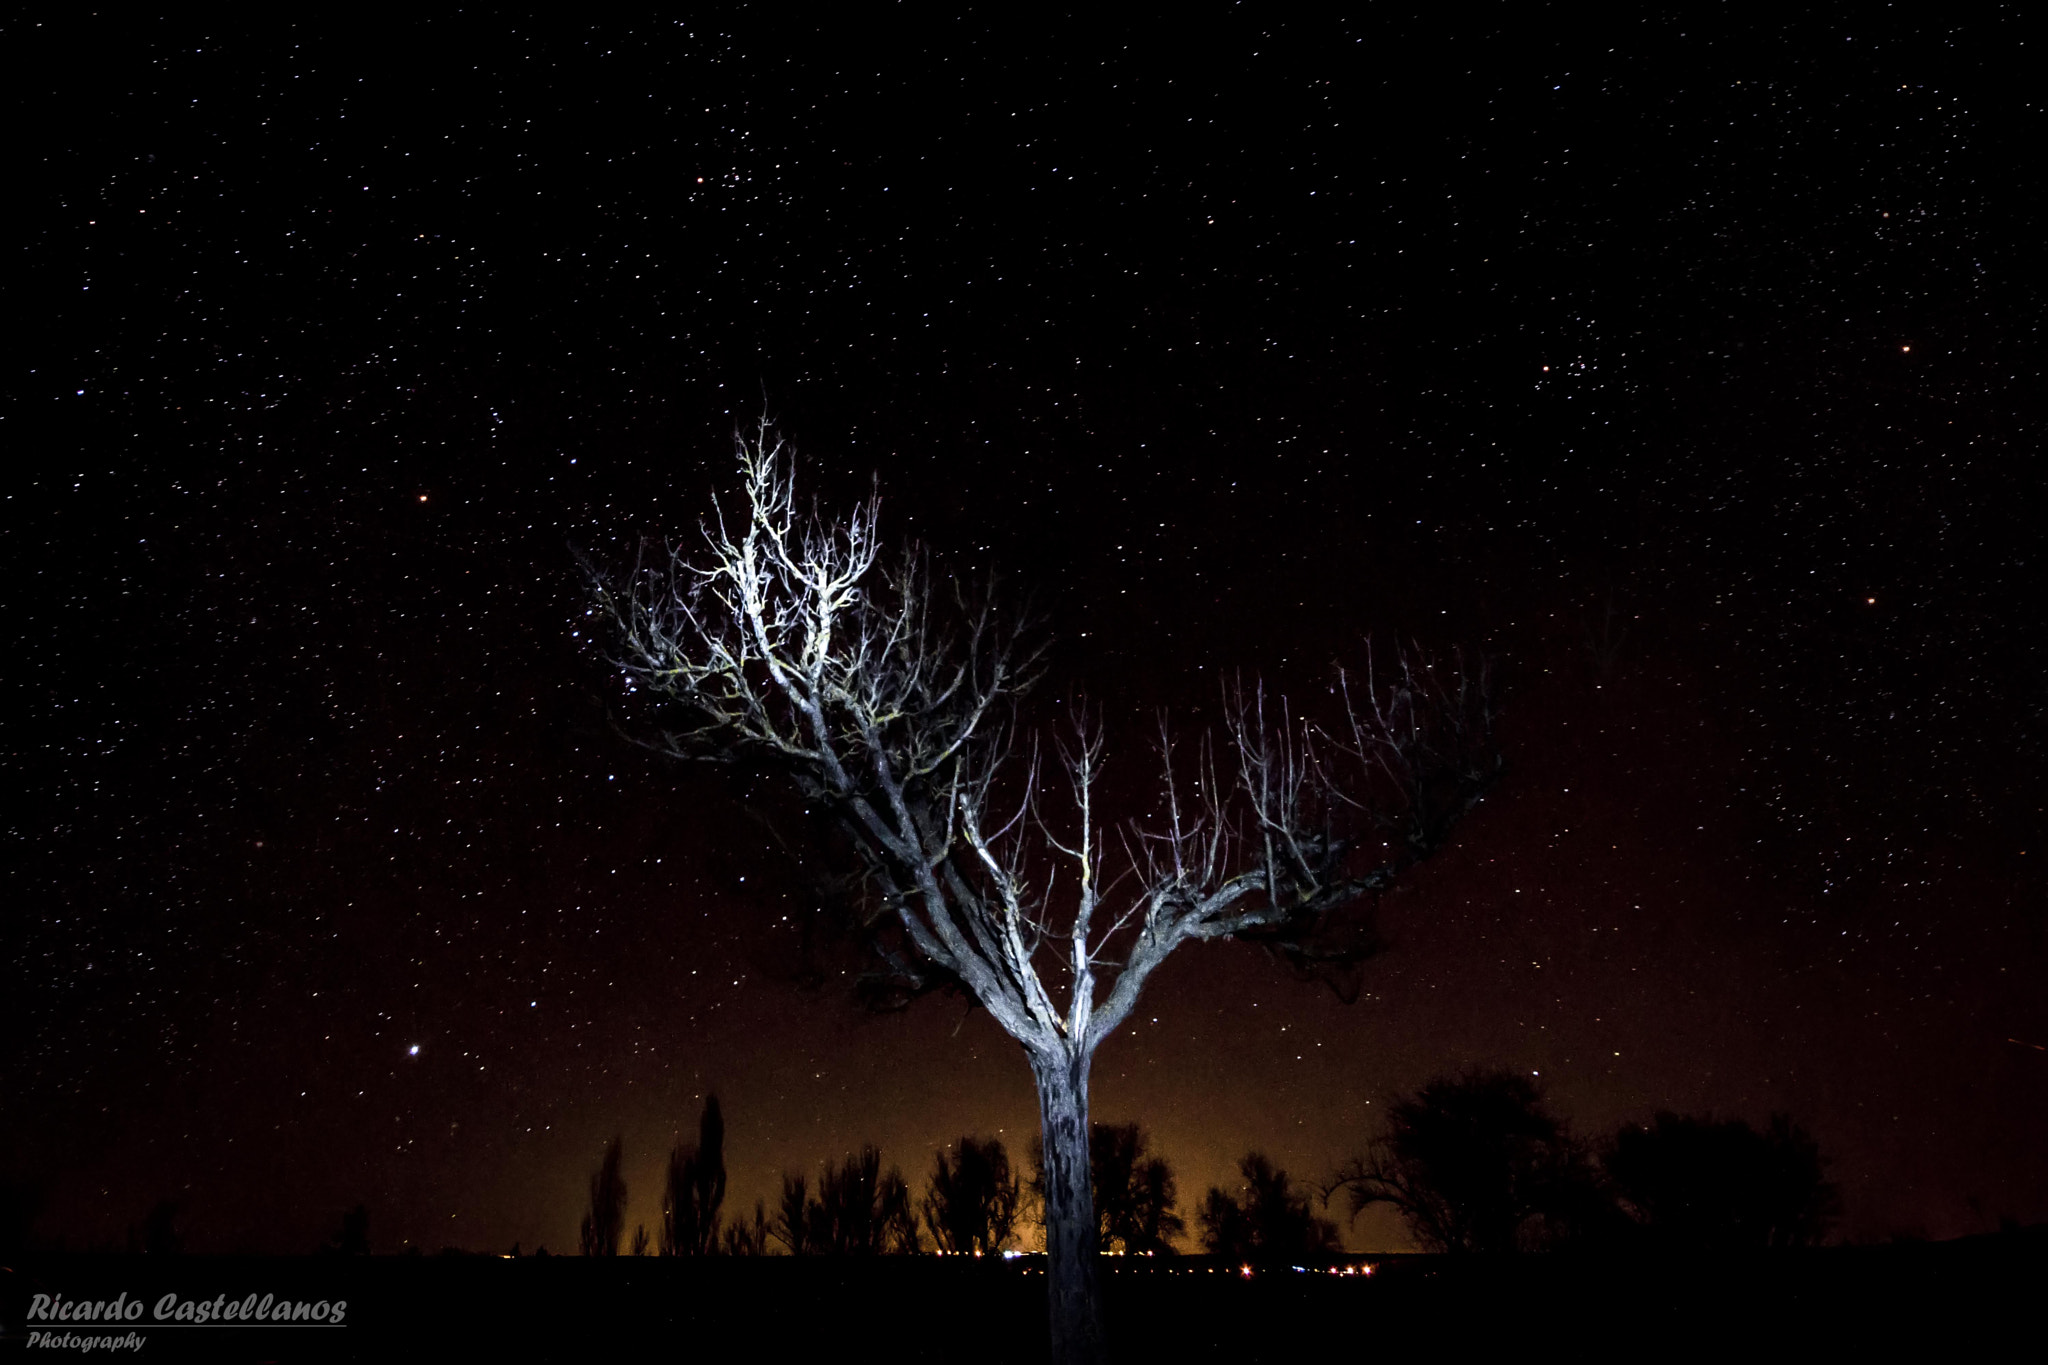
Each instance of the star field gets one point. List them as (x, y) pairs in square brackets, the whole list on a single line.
[(1694, 370)]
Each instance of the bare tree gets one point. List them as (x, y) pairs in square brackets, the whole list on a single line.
[(785, 639)]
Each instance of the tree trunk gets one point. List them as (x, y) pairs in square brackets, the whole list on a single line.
[(1072, 1289)]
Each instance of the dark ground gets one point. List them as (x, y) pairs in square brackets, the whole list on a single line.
[(1966, 1295)]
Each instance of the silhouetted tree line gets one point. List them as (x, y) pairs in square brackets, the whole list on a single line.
[(972, 1203), (1476, 1164)]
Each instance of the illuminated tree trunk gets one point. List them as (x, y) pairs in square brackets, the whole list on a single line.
[(1073, 1291)]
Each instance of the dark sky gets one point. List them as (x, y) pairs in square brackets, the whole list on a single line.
[(1693, 368)]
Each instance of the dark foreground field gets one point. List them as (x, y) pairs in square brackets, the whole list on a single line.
[(1959, 1295)]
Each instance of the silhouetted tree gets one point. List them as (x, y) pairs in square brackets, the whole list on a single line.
[(1134, 1192), (889, 701), (971, 1205), (160, 1235), (1226, 1226), (1695, 1184), (859, 1211), (695, 1190), (848, 1196), (605, 1223), (1475, 1163), (354, 1237), (749, 1239), (21, 1205), (897, 1217), (864, 1211), (792, 1225), (1271, 1222), (642, 1243)]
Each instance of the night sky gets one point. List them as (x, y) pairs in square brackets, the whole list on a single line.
[(1694, 369)]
